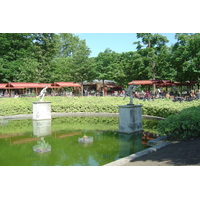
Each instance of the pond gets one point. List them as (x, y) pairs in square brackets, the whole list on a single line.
[(19, 137)]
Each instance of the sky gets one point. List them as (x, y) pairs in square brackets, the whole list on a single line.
[(118, 42)]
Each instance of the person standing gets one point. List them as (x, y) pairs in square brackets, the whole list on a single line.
[(198, 94)]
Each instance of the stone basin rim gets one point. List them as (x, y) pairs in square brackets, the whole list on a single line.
[(119, 162), (78, 114)]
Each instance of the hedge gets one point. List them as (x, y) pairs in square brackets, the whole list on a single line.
[(185, 125), (158, 107), (61, 124)]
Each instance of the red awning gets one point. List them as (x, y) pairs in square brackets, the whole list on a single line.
[(165, 83), (186, 83), (13, 85), (2, 86), (113, 86), (144, 82), (50, 85), (160, 82), (67, 84)]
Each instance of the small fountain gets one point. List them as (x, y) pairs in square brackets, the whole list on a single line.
[(85, 139), (42, 146)]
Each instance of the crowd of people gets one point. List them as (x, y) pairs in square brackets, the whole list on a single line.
[(150, 95), (142, 95), (174, 96)]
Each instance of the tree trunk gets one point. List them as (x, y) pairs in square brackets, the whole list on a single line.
[(103, 87), (82, 87), (149, 44), (154, 75)]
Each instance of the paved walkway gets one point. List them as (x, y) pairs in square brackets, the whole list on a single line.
[(184, 153)]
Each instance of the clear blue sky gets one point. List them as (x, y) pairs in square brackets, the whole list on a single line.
[(118, 42)]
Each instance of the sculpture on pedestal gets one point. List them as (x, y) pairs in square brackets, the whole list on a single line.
[(129, 92), (42, 93)]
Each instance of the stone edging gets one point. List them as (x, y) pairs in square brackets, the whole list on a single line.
[(29, 116), (159, 144), (53, 115)]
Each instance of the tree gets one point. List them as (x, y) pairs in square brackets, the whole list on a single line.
[(154, 45), (133, 67), (81, 67), (45, 47), (186, 57), (68, 44), (14, 47), (26, 56), (165, 71), (61, 67), (106, 65)]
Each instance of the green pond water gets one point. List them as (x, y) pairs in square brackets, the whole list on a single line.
[(17, 139)]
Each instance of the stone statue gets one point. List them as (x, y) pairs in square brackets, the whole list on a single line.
[(129, 92), (42, 93)]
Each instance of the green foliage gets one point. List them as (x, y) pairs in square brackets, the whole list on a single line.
[(104, 62), (184, 125), (85, 123), (49, 57), (130, 66), (23, 128), (42, 57), (17, 127), (185, 57), (159, 107), (150, 125), (81, 69), (42, 144), (152, 49)]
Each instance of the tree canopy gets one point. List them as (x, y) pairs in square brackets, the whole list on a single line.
[(50, 57)]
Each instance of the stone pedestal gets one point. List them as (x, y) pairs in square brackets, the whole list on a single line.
[(42, 127), (130, 118), (41, 110)]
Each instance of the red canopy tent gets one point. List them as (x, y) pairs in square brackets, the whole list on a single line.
[(144, 82), (25, 86), (67, 84), (186, 83), (113, 86), (163, 83), (14, 85), (50, 85), (2, 85)]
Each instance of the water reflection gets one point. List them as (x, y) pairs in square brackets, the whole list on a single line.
[(41, 127), (129, 143), (62, 134)]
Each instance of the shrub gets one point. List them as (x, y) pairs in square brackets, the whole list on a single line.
[(159, 107), (185, 125)]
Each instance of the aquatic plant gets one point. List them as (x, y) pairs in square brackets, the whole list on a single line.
[(42, 146)]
